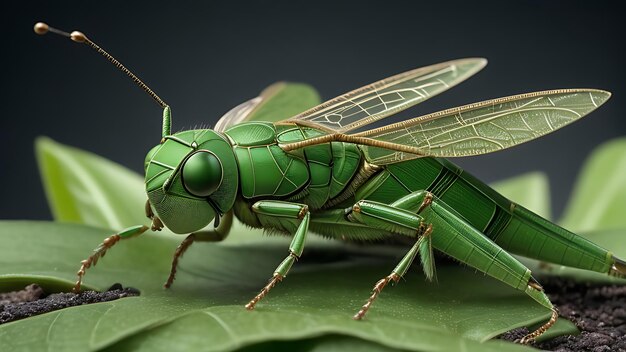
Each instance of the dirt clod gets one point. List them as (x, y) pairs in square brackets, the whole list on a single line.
[(30, 293), (598, 311), (32, 300)]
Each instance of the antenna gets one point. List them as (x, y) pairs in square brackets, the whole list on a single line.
[(78, 37)]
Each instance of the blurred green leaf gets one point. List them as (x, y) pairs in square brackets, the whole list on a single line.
[(284, 100), (205, 310), (85, 188), (599, 198)]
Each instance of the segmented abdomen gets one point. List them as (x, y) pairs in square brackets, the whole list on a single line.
[(511, 226)]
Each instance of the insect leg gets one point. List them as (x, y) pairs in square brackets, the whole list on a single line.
[(273, 211), (216, 235), (618, 269), (455, 237), (101, 250), (458, 239), (396, 220)]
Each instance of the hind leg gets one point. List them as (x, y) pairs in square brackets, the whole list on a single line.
[(403, 266), (452, 235)]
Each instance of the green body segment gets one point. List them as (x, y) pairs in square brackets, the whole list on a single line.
[(312, 175), (468, 216), (264, 169)]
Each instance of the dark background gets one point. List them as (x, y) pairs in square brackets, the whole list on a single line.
[(203, 59)]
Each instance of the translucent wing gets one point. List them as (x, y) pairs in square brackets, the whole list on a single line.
[(481, 127), (388, 96), (238, 114), (275, 103)]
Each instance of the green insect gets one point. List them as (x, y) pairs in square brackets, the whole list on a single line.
[(323, 171)]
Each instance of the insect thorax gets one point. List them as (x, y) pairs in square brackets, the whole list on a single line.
[(311, 175)]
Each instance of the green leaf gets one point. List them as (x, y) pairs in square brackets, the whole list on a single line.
[(599, 198), (205, 310), (85, 188), (530, 190), (330, 343), (283, 100)]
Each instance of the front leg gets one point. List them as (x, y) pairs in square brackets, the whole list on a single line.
[(278, 209), (102, 249), (217, 234)]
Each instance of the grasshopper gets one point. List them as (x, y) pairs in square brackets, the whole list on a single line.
[(323, 171)]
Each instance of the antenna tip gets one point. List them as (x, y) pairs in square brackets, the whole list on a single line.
[(41, 28), (78, 37)]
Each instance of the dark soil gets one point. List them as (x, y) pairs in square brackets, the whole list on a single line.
[(32, 300), (598, 311)]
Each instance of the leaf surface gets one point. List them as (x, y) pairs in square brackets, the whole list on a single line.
[(215, 280)]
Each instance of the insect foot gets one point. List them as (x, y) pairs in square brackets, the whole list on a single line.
[(530, 338), (380, 285), (102, 248), (99, 252), (180, 250), (618, 269), (273, 281)]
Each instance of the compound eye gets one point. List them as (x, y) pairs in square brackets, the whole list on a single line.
[(202, 173)]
